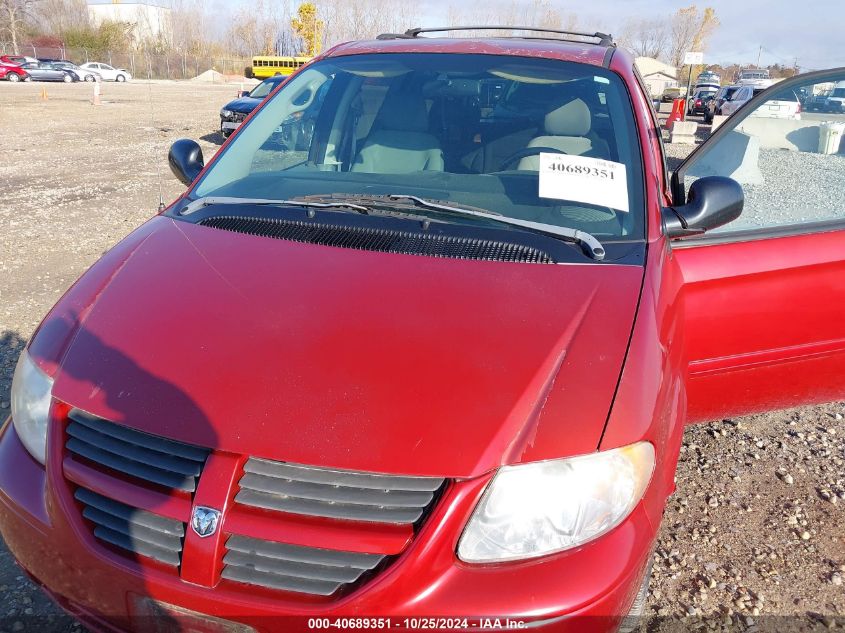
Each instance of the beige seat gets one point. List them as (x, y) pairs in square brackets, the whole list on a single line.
[(568, 129), (400, 142)]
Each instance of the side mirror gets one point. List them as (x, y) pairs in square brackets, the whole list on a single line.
[(185, 160), (712, 201), (244, 93)]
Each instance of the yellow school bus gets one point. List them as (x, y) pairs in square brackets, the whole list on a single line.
[(267, 66)]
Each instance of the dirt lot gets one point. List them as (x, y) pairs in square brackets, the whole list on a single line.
[(754, 537)]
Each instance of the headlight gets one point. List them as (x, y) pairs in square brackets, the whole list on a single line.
[(225, 113), (31, 393), (535, 509)]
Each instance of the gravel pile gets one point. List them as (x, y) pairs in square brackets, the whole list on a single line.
[(753, 539)]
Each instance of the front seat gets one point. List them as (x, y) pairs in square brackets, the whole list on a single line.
[(568, 128), (400, 142)]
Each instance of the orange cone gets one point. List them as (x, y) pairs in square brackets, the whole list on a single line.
[(677, 114), (44, 96)]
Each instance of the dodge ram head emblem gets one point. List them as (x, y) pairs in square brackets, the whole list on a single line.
[(204, 520)]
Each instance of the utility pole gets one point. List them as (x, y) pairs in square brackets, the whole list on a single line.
[(759, 53)]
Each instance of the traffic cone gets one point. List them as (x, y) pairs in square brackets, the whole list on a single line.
[(96, 100), (44, 96), (677, 114)]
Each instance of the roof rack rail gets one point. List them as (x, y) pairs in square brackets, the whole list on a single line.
[(605, 39)]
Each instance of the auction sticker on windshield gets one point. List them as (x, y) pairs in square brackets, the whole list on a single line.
[(583, 179)]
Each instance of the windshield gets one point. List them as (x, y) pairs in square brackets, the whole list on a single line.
[(533, 139), (839, 93), (263, 89)]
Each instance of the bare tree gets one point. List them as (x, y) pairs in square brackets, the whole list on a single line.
[(257, 27), (58, 16), (14, 14), (538, 13), (347, 20), (646, 38), (690, 31)]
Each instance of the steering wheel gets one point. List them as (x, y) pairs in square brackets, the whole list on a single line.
[(525, 153)]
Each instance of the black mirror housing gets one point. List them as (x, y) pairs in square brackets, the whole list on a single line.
[(186, 161), (712, 201)]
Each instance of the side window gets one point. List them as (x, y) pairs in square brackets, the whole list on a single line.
[(789, 161)]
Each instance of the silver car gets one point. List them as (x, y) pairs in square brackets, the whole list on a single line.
[(82, 74), (47, 71)]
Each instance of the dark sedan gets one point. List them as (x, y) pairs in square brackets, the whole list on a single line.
[(234, 112)]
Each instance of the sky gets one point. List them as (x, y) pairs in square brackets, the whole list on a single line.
[(813, 31)]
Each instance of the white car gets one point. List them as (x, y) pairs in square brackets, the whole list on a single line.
[(108, 73), (82, 74), (837, 96), (784, 105)]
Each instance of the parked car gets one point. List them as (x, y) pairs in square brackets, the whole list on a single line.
[(81, 74), (106, 72), (739, 99), (714, 106), (697, 103), (17, 59), (234, 112), (670, 94), (47, 71), (13, 73), (836, 100), (329, 382), (817, 102), (754, 77)]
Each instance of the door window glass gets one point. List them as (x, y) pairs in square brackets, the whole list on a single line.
[(790, 160)]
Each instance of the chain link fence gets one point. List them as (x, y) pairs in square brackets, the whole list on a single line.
[(141, 64)]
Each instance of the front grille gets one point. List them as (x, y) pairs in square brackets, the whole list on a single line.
[(336, 494), (293, 568), (133, 530), (381, 240), (147, 457)]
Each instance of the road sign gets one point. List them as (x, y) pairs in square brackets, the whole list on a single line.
[(693, 58)]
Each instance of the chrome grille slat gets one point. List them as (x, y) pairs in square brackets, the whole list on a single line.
[(153, 442), (136, 531), (130, 467), (296, 553), (295, 472), (148, 457), (379, 514), (136, 547), (293, 567), (336, 494), (275, 581), (293, 570), (135, 453), (342, 494)]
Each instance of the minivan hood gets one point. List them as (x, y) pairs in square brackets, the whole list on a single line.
[(346, 358)]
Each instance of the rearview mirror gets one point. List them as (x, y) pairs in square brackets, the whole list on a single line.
[(185, 160), (711, 202)]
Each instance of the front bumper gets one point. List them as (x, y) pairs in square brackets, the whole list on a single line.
[(587, 589)]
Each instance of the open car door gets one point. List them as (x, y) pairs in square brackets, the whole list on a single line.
[(764, 295)]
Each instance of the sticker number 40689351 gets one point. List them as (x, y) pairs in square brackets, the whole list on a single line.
[(584, 179)]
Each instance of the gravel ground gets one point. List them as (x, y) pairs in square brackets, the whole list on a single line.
[(752, 540)]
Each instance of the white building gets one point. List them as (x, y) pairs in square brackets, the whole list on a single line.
[(150, 21), (657, 75)]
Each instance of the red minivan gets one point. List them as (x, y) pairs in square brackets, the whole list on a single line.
[(429, 366)]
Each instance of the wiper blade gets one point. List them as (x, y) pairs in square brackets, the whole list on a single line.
[(199, 203), (582, 238)]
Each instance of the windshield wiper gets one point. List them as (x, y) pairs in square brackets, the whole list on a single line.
[(582, 238), (199, 203)]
